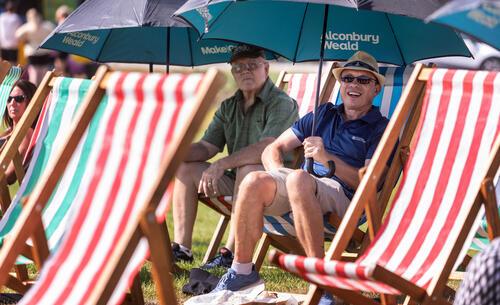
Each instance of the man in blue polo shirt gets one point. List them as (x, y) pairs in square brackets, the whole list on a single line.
[(346, 137)]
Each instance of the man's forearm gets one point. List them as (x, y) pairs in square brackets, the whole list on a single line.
[(197, 152), (272, 157), (347, 173), (245, 156)]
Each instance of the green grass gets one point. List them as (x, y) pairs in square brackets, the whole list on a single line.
[(206, 221)]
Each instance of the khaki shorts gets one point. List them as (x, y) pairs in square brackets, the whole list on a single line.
[(329, 193), (226, 185)]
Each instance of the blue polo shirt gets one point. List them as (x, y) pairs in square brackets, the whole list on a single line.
[(352, 141)]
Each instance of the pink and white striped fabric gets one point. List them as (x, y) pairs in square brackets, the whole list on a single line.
[(138, 119), (460, 122), (302, 88)]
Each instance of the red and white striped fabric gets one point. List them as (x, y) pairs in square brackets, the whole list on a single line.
[(137, 120), (221, 204), (460, 122), (302, 88)]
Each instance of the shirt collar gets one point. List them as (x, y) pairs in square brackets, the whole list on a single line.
[(264, 93), (372, 116)]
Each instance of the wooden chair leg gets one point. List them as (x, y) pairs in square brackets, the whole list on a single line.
[(18, 166), (5, 199), (161, 256), (490, 203), (136, 296), (261, 251), (386, 299), (15, 284), (21, 272), (216, 238), (40, 244)]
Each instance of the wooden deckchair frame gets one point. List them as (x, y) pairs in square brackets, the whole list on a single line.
[(4, 69), (30, 218), (327, 86), (10, 153), (363, 201)]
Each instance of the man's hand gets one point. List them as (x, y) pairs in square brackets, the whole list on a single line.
[(210, 179), (314, 148)]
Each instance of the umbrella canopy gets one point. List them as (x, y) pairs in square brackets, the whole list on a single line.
[(296, 34), (135, 31), (478, 18), (323, 29)]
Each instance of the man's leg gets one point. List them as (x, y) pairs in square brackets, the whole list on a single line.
[(240, 174), (225, 256), (257, 191), (307, 214), (306, 195), (185, 200)]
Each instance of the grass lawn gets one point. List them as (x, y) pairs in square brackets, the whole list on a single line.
[(276, 279)]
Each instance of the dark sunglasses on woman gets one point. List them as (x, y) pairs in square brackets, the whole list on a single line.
[(17, 98)]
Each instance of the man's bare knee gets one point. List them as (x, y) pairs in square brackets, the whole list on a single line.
[(299, 183), (258, 184)]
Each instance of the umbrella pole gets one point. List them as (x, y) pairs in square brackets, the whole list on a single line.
[(310, 161), (168, 51), (150, 68)]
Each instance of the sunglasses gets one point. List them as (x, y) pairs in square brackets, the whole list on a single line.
[(362, 80), (239, 68), (18, 98)]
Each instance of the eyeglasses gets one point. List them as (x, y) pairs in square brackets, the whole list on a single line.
[(17, 98), (239, 68), (362, 80)]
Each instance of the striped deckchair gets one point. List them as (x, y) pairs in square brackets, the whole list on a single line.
[(8, 77), (57, 113), (302, 88), (448, 177), (142, 125), (278, 230)]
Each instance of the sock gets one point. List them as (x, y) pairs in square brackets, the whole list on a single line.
[(245, 268), (185, 250)]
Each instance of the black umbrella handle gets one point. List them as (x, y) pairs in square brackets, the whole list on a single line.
[(310, 168)]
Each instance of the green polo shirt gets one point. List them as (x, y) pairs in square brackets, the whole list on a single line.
[(272, 113)]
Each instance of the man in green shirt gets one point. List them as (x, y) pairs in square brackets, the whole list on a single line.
[(246, 122)]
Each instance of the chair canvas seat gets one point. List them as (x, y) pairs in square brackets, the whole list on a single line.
[(435, 215)]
